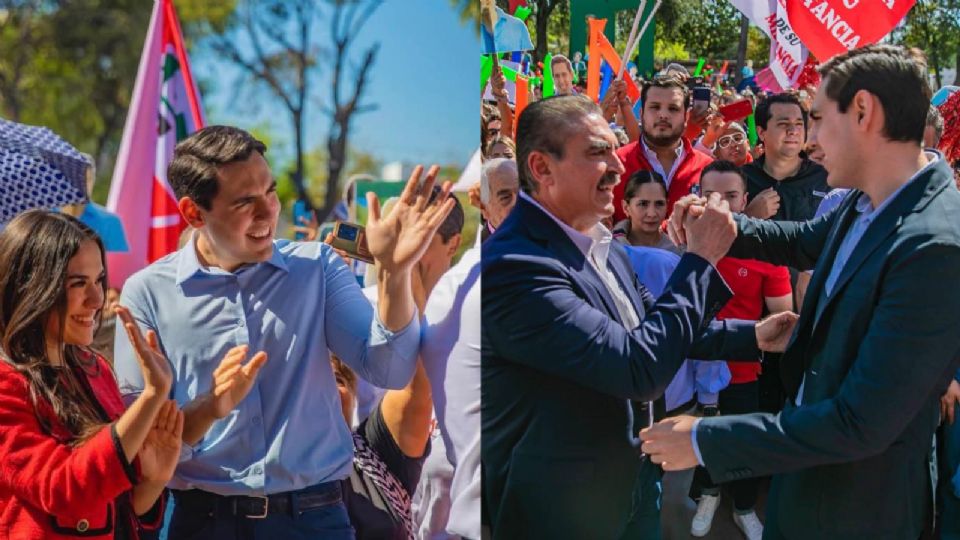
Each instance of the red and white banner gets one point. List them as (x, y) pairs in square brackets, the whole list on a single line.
[(164, 110), (832, 27), (788, 54)]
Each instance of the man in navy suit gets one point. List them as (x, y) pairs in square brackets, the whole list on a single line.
[(569, 336), (878, 333)]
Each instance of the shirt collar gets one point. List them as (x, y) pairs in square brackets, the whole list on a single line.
[(650, 153), (189, 264), (865, 207), (596, 242)]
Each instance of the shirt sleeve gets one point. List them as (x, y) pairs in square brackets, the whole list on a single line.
[(357, 336), (693, 438), (776, 282)]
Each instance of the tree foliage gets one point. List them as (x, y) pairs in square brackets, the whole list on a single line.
[(933, 26)]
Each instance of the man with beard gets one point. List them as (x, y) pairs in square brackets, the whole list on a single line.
[(569, 336), (662, 147)]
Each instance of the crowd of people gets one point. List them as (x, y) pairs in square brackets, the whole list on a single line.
[(253, 388), (599, 297)]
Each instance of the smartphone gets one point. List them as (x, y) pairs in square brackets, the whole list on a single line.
[(300, 211), (352, 238), (701, 99), (738, 110)]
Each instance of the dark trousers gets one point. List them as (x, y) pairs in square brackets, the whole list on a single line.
[(734, 399), (644, 523), (195, 522)]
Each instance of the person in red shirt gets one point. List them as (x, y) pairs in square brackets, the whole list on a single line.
[(756, 285), (74, 461), (662, 147)]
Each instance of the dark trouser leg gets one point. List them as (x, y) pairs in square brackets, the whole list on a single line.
[(644, 523), (740, 399)]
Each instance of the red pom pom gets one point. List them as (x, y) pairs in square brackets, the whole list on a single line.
[(809, 75), (950, 141)]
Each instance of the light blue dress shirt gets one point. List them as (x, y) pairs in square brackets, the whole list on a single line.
[(289, 432)]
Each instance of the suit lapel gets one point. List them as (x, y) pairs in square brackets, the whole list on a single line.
[(542, 226), (620, 264)]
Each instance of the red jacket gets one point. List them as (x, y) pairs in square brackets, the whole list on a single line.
[(50, 490), (687, 176)]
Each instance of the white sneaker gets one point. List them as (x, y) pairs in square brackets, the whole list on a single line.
[(750, 525), (706, 508)]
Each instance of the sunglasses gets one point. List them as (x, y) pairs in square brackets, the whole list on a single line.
[(726, 140)]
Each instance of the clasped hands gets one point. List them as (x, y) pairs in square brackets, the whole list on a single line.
[(706, 227)]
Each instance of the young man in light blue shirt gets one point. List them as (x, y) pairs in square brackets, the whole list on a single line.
[(268, 465)]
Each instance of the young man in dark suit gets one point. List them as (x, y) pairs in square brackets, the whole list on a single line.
[(877, 338), (569, 337)]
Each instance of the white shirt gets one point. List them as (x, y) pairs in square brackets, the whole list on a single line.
[(451, 357), (655, 161), (596, 248)]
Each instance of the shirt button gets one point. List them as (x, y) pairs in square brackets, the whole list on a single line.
[(240, 322), (258, 469), (83, 525), (256, 420)]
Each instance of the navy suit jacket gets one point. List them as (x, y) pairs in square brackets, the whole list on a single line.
[(874, 358), (558, 369)]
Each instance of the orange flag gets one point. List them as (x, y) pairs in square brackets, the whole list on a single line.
[(600, 48)]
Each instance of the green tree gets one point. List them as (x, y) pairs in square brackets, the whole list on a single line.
[(933, 26)]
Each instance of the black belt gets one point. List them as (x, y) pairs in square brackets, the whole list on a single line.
[(259, 506)]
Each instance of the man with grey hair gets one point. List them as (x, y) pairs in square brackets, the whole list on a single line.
[(933, 129), (499, 186), (570, 338)]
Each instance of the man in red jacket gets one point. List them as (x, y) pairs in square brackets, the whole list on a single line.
[(662, 148)]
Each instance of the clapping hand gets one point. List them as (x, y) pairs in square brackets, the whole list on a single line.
[(232, 380), (400, 238), (157, 375), (161, 450)]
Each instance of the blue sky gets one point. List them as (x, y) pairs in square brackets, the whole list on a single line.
[(423, 81)]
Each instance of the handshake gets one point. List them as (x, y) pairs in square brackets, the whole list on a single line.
[(704, 225)]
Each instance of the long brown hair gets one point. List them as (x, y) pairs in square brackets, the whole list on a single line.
[(35, 249)]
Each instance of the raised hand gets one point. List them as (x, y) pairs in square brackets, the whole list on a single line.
[(161, 450), (310, 228), (710, 234), (765, 205), (773, 333), (157, 375), (688, 204), (232, 380), (400, 238)]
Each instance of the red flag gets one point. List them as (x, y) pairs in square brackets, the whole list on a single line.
[(164, 110), (831, 27)]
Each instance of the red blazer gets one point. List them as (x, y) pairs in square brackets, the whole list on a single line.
[(687, 176), (50, 490)]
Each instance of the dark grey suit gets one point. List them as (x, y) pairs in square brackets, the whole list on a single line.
[(852, 461)]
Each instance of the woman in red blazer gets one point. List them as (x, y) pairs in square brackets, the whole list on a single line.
[(73, 461)]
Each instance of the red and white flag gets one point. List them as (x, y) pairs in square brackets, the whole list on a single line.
[(164, 110), (788, 54), (832, 27)]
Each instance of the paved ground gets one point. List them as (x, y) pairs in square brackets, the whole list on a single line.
[(678, 510)]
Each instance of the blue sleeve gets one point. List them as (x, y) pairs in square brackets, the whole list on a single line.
[(355, 334)]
